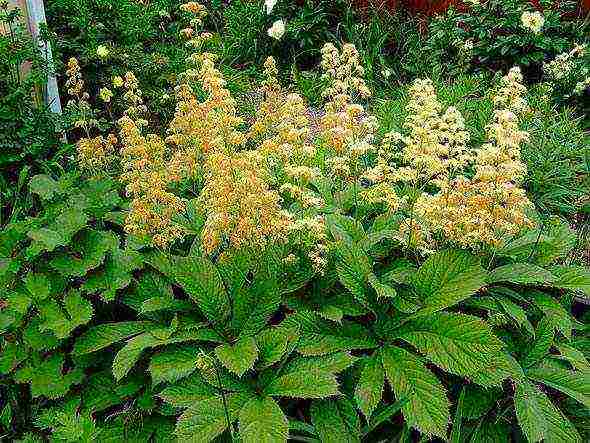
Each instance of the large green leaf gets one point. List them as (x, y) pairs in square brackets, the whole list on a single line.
[(129, 354), (447, 278), (427, 408), (542, 343), (320, 336), (370, 385), (255, 304), (262, 421), (173, 363), (76, 311), (311, 377), (539, 419), (335, 421), (47, 377), (87, 253), (576, 278), (458, 343), (353, 268), (521, 273), (188, 391), (202, 282), (116, 273), (576, 384), (207, 419), (103, 335), (238, 357)]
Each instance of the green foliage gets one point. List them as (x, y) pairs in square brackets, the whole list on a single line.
[(500, 40), (29, 133), (104, 338)]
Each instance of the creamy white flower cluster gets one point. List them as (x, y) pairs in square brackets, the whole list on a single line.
[(533, 21)]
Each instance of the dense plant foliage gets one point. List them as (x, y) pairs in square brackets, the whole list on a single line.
[(411, 267), (29, 134), (545, 39)]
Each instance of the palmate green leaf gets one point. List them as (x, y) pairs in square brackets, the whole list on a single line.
[(47, 377), (76, 312), (539, 419), (447, 278), (103, 335), (207, 419), (238, 357), (370, 385), (188, 391), (576, 278), (87, 252), (261, 420), (521, 273), (458, 343), (174, 363), (335, 421), (576, 384), (427, 408), (320, 336), (202, 282)]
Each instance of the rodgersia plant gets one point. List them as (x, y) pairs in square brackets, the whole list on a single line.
[(296, 278)]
